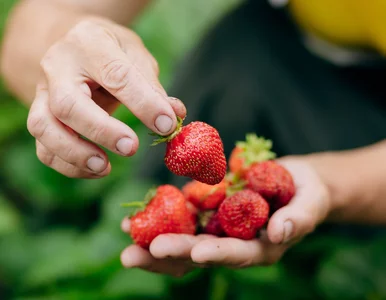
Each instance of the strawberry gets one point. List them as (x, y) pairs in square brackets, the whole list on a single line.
[(205, 196), (210, 223), (164, 210), (243, 214), (253, 149), (195, 151), (273, 182)]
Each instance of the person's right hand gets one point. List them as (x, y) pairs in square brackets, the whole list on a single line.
[(96, 66)]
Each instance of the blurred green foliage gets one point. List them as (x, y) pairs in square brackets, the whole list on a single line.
[(60, 238)]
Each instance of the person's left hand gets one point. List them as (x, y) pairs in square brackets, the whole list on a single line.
[(177, 254)]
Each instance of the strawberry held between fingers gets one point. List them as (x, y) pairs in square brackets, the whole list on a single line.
[(243, 214), (164, 210), (205, 196), (196, 151), (273, 182)]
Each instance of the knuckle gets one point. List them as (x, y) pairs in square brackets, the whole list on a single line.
[(98, 134), (83, 33), (82, 29), (62, 106), (155, 65), (71, 155), (36, 125), (45, 157), (114, 75), (308, 223), (47, 62), (135, 38)]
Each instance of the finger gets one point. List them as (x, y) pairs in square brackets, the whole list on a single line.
[(236, 253), (127, 78), (177, 246), (70, 102), (306, 210), (62, 142), (178, 107), (137, 257), (105, 100), (53, 161)]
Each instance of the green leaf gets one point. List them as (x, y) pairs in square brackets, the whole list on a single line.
[(103, 245), (58, 254), (10, 219), (125, 192), (12, 117), (135, 282), (42, 186), (71, 293), (348, 274), (64, 254), (262, 275), (17, 254)]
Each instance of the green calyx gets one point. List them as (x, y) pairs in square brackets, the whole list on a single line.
[(168, 138), (236, 187), (255, 149), (205, 217), (137, 206)]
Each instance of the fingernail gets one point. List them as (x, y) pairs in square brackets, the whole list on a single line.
[(163, 124), (288, 228), (125, 145), (96, 164)]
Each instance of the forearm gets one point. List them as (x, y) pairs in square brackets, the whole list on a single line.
[(357, 183), (35, 25)]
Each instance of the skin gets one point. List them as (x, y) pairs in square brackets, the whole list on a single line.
[(82, 66), (346, 186), (83, 63)]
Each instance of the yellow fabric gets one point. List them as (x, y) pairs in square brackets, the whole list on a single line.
[(345, 22)]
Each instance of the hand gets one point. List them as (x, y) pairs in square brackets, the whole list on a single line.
[(176, 254), (96, 66)]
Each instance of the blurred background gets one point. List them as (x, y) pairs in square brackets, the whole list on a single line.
[(60, 238)]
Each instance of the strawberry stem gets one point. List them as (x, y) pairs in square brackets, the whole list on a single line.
[(139, 204), (205, 216), (233, 189), (168, 138), (255, 149)]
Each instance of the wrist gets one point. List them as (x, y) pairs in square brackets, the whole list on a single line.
[(330, 170), (355, 181)]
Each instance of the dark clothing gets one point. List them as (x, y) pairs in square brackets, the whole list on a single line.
[(252, 73)]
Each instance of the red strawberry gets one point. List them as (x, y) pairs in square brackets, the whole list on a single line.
[(273, 182), (210, 223), (205, 196), (164, 210), (253, 149), (196, 151), (236, 161), (243, 214)]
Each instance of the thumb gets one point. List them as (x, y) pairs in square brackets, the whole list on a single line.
[(307, 209)]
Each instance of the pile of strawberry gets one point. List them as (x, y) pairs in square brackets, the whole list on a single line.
[(235, 204)]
